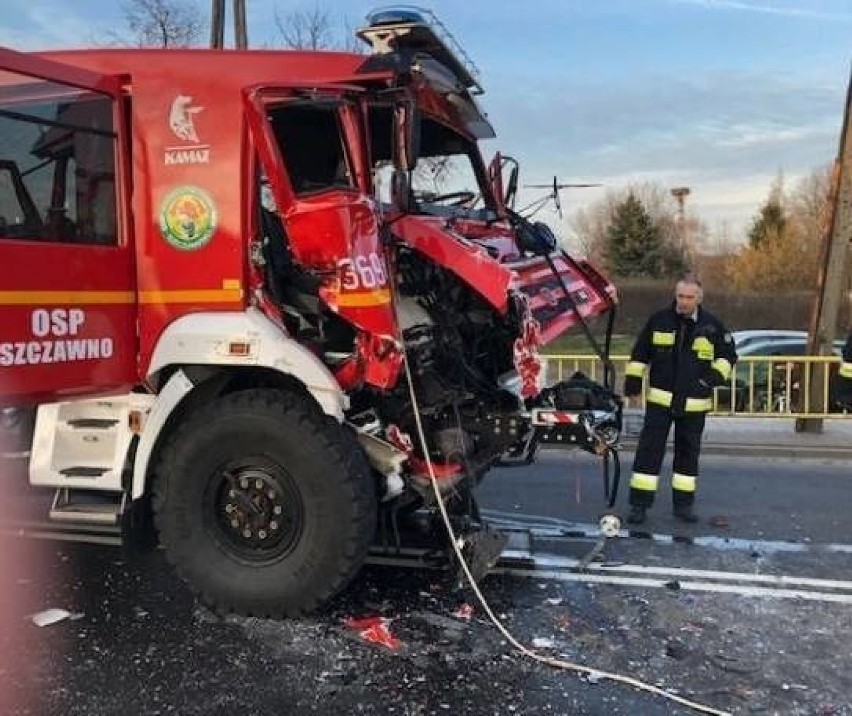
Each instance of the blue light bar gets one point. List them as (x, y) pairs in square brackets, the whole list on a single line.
[(394, 16)]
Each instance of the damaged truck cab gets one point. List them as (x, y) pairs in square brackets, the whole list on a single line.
[(219, 270)]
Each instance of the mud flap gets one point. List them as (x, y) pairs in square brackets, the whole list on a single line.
[(481, 550)]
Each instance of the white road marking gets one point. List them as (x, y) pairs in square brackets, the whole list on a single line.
[(555, 527), (749, 584), (556, 563), (744, 590)]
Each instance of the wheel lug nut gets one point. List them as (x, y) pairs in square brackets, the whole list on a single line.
[(247, 534), (258, 484), (244, 483), (235, 523), (262, 534), (273, 525), (277, 509)]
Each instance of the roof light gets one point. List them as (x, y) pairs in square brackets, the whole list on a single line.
[(397, 28), (395, 16)]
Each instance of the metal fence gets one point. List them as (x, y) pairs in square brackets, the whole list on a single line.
[(760, 386)]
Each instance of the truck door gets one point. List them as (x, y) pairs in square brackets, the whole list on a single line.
[(67, 279), (312, 149)]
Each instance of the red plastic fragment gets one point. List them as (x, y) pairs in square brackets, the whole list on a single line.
[(375, 630), (465, 611)]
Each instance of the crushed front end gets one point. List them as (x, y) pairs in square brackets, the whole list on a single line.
[(402, 260)]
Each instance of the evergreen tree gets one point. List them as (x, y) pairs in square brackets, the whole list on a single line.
[(768, 225), (634, 243), (771, 221)]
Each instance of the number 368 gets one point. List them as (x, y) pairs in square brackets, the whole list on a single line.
[(364, 272)]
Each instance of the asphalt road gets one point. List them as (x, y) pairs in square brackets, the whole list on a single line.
[(759, 498), (682, 608)]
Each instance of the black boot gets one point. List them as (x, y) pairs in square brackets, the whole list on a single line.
[(684, 513), (637, 515)]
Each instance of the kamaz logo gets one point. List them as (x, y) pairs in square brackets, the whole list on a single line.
[(180, 118), (182, 124), (187, 156)]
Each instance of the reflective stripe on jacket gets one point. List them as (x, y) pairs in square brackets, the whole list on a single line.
[(686, 359)]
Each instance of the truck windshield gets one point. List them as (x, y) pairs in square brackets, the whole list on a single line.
[(446, 180)]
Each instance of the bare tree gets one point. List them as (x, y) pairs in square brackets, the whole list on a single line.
[(787, 259), (160, 23), (349, 41), (590, 226), (305, 29), (808, 204), (315, 30)]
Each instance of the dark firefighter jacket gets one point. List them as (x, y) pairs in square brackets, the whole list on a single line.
[(844, 376), (687, 359)]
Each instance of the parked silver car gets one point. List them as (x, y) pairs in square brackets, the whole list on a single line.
[(766, 395)]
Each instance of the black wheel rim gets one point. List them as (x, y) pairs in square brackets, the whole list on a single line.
[(254, 510)]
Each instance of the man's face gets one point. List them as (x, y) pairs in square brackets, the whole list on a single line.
[(687, 298)]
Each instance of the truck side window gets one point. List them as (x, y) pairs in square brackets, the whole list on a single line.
[(311, 140), (57, 163)]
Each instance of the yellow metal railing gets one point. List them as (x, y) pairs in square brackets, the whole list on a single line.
[(760, 386)]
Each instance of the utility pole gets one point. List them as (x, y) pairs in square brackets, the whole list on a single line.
[(831, 280), (680, 193), (217, 25), (240, 31)]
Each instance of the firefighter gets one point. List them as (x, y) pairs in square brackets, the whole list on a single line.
[(843, 386), (689, 352)]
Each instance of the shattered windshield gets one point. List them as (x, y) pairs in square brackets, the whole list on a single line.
[(445, 181)]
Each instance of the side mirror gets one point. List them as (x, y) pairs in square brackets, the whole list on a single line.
[(406, 136), (511, 184), (495, 181)]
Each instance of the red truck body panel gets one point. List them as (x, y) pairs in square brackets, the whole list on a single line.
[(190, 133)]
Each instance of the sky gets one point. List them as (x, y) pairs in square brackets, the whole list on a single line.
[(716, 95)]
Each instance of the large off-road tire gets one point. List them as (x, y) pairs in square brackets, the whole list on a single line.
[(265, 505)]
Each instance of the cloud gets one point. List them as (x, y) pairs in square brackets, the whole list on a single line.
[(781, 10), (726, 135)]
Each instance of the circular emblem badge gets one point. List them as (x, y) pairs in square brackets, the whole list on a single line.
[(188, 218)]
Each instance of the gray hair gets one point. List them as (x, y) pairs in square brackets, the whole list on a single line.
[(691, 278)]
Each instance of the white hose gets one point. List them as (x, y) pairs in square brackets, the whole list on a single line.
[(551, 661)]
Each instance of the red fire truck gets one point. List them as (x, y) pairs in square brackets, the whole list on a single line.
[(214, 269)]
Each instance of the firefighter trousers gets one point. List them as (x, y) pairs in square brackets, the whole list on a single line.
[(652, 447)]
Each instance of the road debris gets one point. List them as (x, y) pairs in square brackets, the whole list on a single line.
[(375, 630), (541, 642), (595, 677), (53, 616), (733, 664), (465, 611)]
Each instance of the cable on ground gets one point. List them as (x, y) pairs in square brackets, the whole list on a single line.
[(550, 661)]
